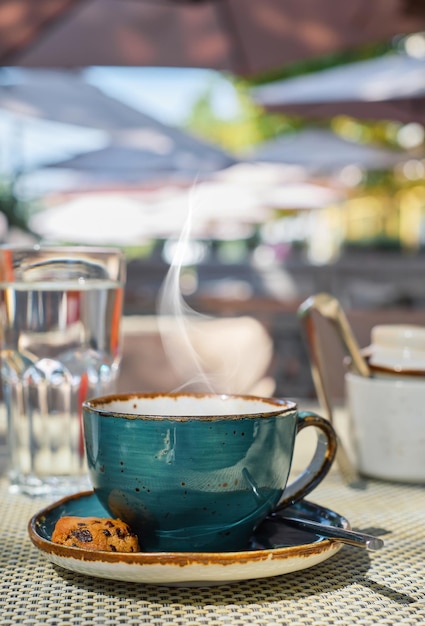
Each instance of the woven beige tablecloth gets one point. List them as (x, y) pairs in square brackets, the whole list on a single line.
[(352, 587)]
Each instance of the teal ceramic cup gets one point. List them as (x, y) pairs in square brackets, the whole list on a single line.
[(198, 472)]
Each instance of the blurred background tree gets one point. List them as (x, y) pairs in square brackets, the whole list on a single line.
[(249, 127), (15, 209)]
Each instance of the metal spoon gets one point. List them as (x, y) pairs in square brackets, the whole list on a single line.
[(329, 308), (350, 537)]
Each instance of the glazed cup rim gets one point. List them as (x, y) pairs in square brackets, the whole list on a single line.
[(278, 406)]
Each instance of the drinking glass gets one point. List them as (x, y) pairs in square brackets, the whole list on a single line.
[(60, 341)]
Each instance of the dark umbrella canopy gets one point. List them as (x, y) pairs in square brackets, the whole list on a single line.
[(390, 87), (243, 36)]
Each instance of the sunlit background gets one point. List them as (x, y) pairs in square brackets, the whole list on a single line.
[(301, 175), (373, 187)]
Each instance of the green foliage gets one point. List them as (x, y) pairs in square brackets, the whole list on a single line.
[(14, 209), (316, 64), (252, 125)]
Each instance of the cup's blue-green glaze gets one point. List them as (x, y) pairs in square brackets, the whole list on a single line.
[(190, 472)]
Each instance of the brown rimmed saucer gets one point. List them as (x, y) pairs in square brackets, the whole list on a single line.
[(275, 549)]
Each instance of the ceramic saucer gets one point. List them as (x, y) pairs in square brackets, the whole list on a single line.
[(275, 549)]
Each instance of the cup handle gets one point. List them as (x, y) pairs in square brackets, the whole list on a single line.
[(319, 465)]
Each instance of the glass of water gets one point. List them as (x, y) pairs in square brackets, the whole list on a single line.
[(60, 339)]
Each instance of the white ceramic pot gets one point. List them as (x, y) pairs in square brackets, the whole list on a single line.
[(387, 422)]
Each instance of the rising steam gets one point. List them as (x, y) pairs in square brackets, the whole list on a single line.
[(221, 355)]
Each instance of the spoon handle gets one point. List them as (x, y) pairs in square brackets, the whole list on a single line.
[(329, 308), (351, 537)]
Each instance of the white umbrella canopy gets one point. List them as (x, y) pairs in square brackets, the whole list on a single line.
[(229, 210), (93, 219), (261, 173), (303, 196), (322, 152), (210, 209), (63, 96), (389, 87), (207, 210), (155, 156), (137, 141)]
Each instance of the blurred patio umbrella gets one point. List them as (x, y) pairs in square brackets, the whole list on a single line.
[(261, 173), (235, 35), (390, 87), (62, 96), (148, 158), (322, 152), (302, 196), (223, 210), (141, 144), (93, 219), (214, 209)]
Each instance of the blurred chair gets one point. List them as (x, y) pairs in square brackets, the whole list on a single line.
[(225, 355)]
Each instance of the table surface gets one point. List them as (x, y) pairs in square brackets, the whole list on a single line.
[(352, 587)]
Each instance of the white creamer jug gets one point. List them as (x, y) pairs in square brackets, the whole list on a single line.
[(387, 409)]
